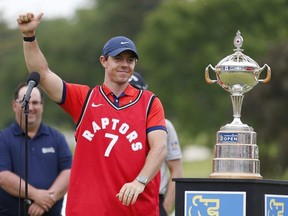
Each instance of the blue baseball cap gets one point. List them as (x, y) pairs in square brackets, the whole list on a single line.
[(117, 45)]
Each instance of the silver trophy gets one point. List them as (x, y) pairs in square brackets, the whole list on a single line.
[(236, 153)]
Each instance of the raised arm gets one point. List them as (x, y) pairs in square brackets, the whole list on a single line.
[(34, 58)]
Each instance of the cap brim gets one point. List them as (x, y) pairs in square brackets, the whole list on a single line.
[(117, 51)]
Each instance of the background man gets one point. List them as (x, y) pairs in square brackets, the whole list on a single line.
[(172, 160), (49, 161)]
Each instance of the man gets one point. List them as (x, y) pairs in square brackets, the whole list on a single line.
[(49, 161), (172, 160), (174, 164), (120, 131)]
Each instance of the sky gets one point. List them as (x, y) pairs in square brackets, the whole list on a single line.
[(10, 9)]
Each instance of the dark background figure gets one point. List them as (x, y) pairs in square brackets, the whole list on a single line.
[(49, 161), (172, 165)]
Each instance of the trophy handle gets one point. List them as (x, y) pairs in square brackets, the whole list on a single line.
[(207, 77), (268, 76)]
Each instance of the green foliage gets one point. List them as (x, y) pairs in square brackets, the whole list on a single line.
[(176, 40), (12, 69), (175, 50), (266, 107)]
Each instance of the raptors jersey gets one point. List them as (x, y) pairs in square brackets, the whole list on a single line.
[(111, 151)]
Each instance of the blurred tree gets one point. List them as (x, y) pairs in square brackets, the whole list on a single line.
[(12, 69), (106, 19), (176, 40), (73, 47), (180, 39), (267, 108)]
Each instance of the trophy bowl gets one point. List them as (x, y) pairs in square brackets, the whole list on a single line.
[(237, 77), (237, 73), (236, 152)]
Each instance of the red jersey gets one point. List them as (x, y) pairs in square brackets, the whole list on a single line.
[(111, 151)]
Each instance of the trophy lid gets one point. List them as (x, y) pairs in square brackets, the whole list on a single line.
[(237, 72), (238, 61)]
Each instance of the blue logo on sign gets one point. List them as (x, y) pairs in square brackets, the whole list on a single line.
[(275, 205), (214, 203), (228, 137)]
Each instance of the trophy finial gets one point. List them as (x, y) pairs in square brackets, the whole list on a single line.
[(238, 41)]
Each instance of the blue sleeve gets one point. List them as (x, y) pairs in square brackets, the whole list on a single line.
[(5, 159)]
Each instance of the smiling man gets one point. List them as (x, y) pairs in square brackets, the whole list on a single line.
[(49, 160), (120, 131)]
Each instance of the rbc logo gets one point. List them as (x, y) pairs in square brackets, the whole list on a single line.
[(215, 203), (275, 205)]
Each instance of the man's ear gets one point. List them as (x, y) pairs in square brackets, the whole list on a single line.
[(103, 60)]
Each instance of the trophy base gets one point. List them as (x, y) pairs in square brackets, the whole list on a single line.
[(236, 153), (236, 167), (231, 175)]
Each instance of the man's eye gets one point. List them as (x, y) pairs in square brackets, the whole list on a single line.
[(117, 58)]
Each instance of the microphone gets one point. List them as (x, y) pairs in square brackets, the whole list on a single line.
[(32, 81)]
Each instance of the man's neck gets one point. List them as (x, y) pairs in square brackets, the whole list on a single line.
[(116, 89)]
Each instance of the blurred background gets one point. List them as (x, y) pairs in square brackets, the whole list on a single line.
[(176, 40)]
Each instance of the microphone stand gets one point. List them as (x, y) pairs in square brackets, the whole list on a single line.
[(27, 202), (32, 81)]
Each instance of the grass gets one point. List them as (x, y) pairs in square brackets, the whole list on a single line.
[(197, 169)]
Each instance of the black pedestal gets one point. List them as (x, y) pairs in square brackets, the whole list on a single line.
[(230, 197)]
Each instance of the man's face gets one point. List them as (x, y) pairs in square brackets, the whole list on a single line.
[(35, 107), (119, 68)]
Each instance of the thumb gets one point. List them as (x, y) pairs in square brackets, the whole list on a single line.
[(31, 17), (39, 17)]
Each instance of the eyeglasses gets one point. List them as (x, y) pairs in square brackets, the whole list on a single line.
[(34, 103)]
